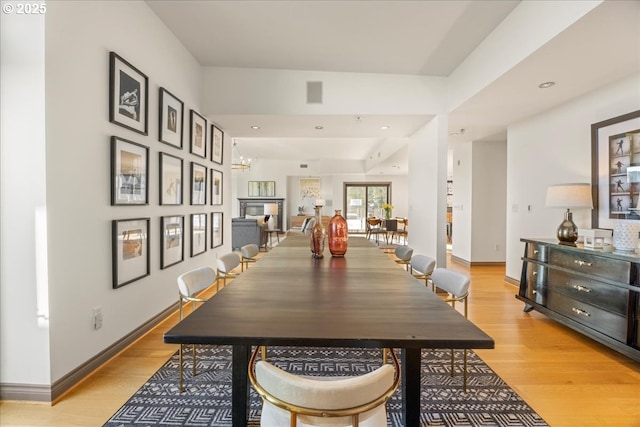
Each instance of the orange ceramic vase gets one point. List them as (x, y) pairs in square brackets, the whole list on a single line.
[(338, 235)]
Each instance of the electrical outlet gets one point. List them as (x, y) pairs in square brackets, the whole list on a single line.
[(97, 318)]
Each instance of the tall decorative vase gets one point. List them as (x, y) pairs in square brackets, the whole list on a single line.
[(338, 235), (387, 213), (317, 236)]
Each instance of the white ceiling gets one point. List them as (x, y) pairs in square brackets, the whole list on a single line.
[(364, 36)]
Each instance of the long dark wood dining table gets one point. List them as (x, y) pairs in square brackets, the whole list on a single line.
[(363, 299)]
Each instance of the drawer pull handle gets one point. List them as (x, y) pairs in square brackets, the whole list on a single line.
[(581, 288), (534, 292), (582, 263), (535, 273), (536, 252), (580, 312)]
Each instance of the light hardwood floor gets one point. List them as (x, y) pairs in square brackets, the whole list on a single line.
[(570, 380)]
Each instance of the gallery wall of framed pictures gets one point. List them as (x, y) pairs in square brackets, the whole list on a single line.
[(131, 153)]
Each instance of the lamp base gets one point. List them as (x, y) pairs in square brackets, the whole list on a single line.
[(271, 223), (567, 230)]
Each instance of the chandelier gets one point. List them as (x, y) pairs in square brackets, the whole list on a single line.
[(238, 162)]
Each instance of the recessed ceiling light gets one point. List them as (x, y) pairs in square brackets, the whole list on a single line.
[(546, 85), (385, 127), (319, 127), (255, 127)]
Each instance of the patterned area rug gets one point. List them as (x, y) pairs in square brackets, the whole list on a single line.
[(489, 401)]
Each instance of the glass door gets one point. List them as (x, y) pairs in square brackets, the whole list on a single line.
[(363, 201)]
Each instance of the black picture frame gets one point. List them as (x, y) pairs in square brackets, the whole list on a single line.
[(172, 242), (171, 119), (615, 146), (198, 184), (216, 187), (198, 234), (217, 144), (198, 135), (217, 229), (130, 250), (129, 172), (171, 173), (128, 95)]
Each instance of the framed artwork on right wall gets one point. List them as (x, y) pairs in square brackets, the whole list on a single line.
[(615, 157)]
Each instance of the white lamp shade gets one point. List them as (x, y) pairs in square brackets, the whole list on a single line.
[(569, 196), (271, 209)]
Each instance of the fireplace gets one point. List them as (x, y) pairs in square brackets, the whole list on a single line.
[(254, 206)]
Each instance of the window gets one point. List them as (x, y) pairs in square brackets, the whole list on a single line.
[(362, 201)]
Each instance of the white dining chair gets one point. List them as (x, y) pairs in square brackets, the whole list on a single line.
[(248, 255), (421, 266), (457, 287), (403, 255), (190, 285), (225, 265), (304, 401)]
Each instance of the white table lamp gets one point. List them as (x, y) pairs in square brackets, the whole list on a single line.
[(271, 210), (569, 196)]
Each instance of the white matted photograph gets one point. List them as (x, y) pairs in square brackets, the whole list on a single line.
[(129, 172), (128, 95), (198, 233), (216, 229), (170, 179), (216, 187), (171, 119), (130, 250), (217, 144), (198, 143), (198, 184), (172, 245)]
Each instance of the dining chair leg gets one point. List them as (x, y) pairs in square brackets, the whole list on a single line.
[(180, 369), (452, 367), (193, 351), (464, 369), (464, 372)]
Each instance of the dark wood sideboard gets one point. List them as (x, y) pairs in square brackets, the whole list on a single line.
[(595, 292)]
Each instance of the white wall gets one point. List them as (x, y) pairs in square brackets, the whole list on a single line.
[(260, 91), (79, 37), (554, 147), (462, 207), (23, 309), (427, 189), (489, 197)]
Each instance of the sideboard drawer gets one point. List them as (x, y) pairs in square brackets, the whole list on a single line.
[(537, 252), (603, 321), (602, 295), (536, 282), (606, 268)]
